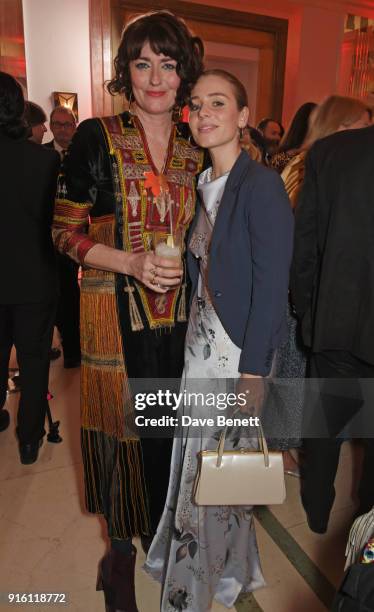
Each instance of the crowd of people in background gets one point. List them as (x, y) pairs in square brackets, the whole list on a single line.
[(276, 279)]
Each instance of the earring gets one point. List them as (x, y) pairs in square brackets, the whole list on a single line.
[(192, 143), (130, 103), (177, 114), (241, 133)]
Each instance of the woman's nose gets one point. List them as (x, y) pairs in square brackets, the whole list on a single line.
[(155, 76), (203, 110)]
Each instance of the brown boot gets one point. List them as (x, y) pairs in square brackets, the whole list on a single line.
[(117, 579)]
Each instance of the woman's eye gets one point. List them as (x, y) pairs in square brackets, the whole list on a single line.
[(141, 65), (193, 107), (169, 66), (217, 103)]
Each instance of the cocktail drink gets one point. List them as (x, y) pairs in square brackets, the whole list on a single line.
[(169, 246)]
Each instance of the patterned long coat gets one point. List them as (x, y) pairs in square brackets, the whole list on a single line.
[(108, 193)]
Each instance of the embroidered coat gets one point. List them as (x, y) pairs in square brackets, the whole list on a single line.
[(106, 195)]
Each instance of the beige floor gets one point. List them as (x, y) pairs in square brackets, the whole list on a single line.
[(48, 543)]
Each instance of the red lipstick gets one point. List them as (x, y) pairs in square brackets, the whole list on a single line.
[(156, 94)]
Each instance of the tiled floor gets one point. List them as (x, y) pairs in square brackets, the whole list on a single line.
[(48, 543)]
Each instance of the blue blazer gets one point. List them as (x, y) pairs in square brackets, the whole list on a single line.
[(249, 261)]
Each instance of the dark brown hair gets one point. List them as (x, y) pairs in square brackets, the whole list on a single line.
[(295, 135), (34, 114), (166, 34), (240, 93), (12, 106), (263, 123)]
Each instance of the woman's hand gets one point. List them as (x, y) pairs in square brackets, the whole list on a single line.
[(252, 387), (156, 273)]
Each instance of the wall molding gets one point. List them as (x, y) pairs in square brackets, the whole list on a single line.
[(359, 7), (101, 34), (101, 56)]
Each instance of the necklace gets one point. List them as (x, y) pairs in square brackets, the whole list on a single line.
[(157, 181)]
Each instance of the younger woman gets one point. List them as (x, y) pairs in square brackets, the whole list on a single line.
[(239, 253)]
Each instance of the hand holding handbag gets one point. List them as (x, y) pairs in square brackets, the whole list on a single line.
[(239, 477)]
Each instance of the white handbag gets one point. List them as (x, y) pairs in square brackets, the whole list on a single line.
[(239, 477)]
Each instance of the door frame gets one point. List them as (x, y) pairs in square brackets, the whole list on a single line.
[(102, 11)]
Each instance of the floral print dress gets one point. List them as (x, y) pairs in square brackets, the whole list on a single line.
[(201, 553)]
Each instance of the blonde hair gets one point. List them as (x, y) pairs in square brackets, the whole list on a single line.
[(253, 151), (328, 117)]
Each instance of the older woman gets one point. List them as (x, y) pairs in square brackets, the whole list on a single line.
[(131, 175)]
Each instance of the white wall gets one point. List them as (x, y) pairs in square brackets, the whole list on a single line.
[(57, 44), (320, 52)]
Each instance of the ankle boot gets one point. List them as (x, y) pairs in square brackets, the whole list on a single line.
[(117, 579)]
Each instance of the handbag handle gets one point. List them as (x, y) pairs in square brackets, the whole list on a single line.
[(261, 439)]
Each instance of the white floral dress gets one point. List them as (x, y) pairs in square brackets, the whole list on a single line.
[(203, 552)]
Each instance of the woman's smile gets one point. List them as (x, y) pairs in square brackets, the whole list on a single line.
[(206, 128), (156, 94)]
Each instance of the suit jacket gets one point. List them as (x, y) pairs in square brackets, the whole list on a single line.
[(27, 190), (51, 145), (332, 278), (250, 255)]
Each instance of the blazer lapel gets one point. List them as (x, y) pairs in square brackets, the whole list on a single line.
[(193, 268), (241, 165)]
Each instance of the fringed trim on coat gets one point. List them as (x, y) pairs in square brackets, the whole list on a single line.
[(114, 483)]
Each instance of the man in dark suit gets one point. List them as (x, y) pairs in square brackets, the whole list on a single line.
[(29, 287), (63, 126), (332, 285), (36, 118), (271, 132)]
